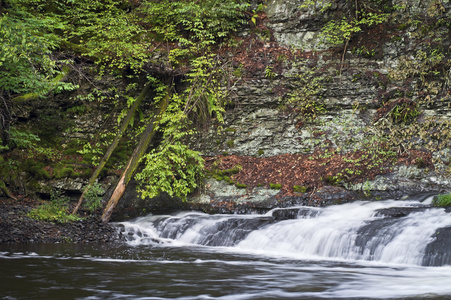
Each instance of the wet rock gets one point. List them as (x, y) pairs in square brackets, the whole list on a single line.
[(293, 213), (438, 252), (132, 205), (398, 212)]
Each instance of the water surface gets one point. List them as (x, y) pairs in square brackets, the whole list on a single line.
[(343, 252)]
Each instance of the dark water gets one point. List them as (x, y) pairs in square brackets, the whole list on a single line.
[(162, 272), (345, 252)]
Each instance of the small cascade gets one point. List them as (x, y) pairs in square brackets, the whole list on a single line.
[(398, 232)]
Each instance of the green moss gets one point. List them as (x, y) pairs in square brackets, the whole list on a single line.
[(225, 153), (231, 171), (230, 129), (121, 153), (275, 186), (77, 110), (442, 200), (33, 186), (356, 77), (49, 126), (70, 151), (299, 189), (241, 185), (87, 158), (224, 174), (261, 152), (230, 143), (218, 177), (36, 169), (25, 98), (86, 173), (402, 26), (63, 173), (229, 180), (76, 175)]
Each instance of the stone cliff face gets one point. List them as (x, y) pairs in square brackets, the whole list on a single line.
[(386, 69)]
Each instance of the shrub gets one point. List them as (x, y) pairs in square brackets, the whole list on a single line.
[(55, 210), (93, 198), (442, 200)]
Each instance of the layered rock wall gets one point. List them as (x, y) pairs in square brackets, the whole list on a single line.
[(358, 83)]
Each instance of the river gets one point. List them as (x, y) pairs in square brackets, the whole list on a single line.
[(350, 251)]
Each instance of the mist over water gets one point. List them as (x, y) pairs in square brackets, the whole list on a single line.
[(361, 250)]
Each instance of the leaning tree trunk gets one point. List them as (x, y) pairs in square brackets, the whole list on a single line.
[(5, 190), (33, 96), (5, 119), (113, 145), (133, 163)]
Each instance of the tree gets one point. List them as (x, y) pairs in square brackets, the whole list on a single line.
[(26, 62), (149, 44)]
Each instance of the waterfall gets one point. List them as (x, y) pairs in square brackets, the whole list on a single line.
[(395, 232)]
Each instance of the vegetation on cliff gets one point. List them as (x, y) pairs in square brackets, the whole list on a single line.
[(165, 48)]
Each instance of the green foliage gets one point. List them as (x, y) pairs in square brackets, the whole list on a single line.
[(55, 210), (23, 139), (305, 98), (190, 22), (367, 13), (256, 11), (63, 173), (218, 177), (124, 38), (321, 5), (404, 112), (364, 51), (204, 99), (93, 199), (269, 72), (427, 64), (332, 180), (26, 43), (172, 168), (339, 32), (442, 200), (106, 31)]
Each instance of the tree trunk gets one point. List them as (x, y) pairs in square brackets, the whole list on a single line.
[(5, 190), (32, 96), (133, 163), (5, 120), (113, 145)]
